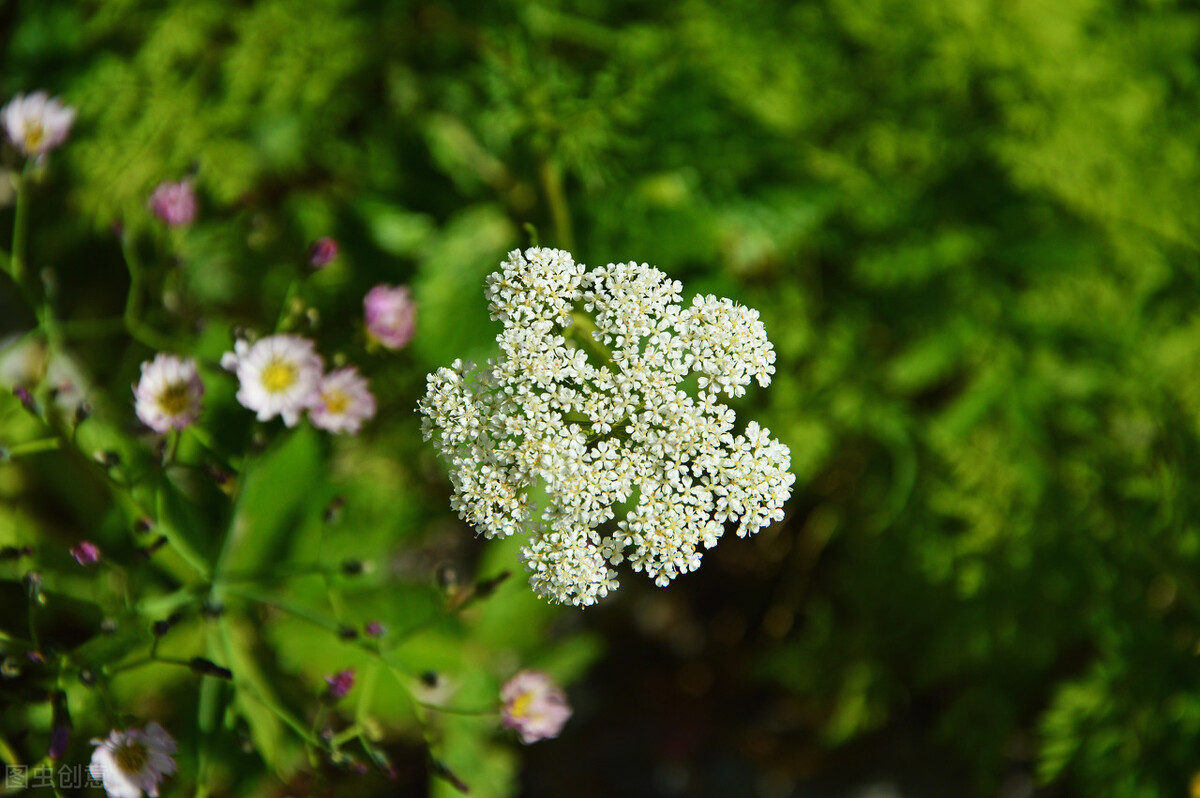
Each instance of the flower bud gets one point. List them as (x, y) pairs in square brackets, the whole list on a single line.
[(340, 683), (86, 553), (60, 732), (390, 315), (33, 584), (26, 399), (487, 587), (158, 543), (174, 203), (443, 771), (322, 251), (207, 667), (15, 552)]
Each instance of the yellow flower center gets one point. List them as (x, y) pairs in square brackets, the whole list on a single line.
[(34, 134), (174, 400), (278, 376), (336, 402), (520, 705), (131, 757)]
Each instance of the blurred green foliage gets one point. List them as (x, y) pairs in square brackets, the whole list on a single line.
[(970, 227)]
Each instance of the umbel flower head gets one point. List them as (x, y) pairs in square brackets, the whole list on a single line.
[(38, 123), (585, 415), (277, 376), (170, 394), (131, 761)]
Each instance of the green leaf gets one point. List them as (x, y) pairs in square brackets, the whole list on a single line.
[(453, 315), (62, 622), (256, 701), (277, 492)]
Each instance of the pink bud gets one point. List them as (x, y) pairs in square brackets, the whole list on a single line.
[(340, 683), (390, 315), (322, 251), (174, 203), (86, 553)]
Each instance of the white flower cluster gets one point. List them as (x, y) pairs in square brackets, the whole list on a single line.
[(585, 415)]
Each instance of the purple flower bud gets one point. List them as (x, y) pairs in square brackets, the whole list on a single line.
[(340, 683), (86, 553), (174, 203), (390, 314), (322, 251), (374, 629), (26, 399), (60, 736), (60, 730)]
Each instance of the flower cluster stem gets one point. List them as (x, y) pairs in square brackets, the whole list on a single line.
[(581, 331)]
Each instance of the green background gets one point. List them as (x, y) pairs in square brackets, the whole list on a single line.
[(970, 227)]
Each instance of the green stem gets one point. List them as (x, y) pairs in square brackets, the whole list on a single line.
[(581, 331), (204, 439), (206, 721), (178, 543), (131, 665), (456, 711), (8, 755), (284, 310), (258, 577), (291, 722), (17, 266), (91, 328), (133, 301), (552, 183), (35, 447), (290, 609), (345, 735)]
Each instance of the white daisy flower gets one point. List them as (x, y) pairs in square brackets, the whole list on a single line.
[(131, 761), (278, 376), (38, 123), (169, 394), (344, 402)]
